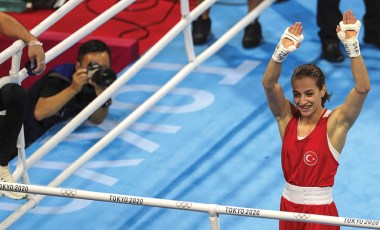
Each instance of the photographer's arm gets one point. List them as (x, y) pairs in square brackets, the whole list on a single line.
[(101, 113), (48, 106)]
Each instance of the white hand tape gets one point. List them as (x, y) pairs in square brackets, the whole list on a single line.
[(281, 52), (351, 45)]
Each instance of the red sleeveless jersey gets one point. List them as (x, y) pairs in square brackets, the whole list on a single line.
[(308, 162)]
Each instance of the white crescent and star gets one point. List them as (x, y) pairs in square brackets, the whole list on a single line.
[(311, 158)]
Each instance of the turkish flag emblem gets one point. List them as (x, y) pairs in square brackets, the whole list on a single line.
[(310, 158)]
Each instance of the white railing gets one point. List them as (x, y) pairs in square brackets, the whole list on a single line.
[(212, 209)]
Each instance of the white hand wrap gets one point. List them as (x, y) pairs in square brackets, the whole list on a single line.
[(352, 44), (280, 53)]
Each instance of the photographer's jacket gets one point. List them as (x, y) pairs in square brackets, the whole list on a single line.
[(50, 84)]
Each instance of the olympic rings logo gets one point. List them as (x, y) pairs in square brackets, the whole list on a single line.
[(184, 205), (69, 192), (302, 216)]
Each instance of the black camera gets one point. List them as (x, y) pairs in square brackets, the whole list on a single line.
[(100, 75)]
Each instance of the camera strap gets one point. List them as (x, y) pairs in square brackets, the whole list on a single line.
[(58, 75)]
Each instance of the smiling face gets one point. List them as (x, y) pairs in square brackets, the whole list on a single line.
[(309, 90), (307, 95)]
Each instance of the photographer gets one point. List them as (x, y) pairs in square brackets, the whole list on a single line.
[(67, 89)]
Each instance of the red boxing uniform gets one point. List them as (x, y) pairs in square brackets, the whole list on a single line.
[(309, 164)]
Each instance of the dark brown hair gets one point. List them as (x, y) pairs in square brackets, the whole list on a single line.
[(314, 72), (93, 45)]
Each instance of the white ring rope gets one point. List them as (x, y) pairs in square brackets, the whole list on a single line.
[(190, 206)]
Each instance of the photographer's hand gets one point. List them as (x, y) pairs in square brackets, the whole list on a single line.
[(80, 78)]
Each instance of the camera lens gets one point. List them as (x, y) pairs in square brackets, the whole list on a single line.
[(101, 75)]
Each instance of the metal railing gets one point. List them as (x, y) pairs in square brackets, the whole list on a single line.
[(212, 209)]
